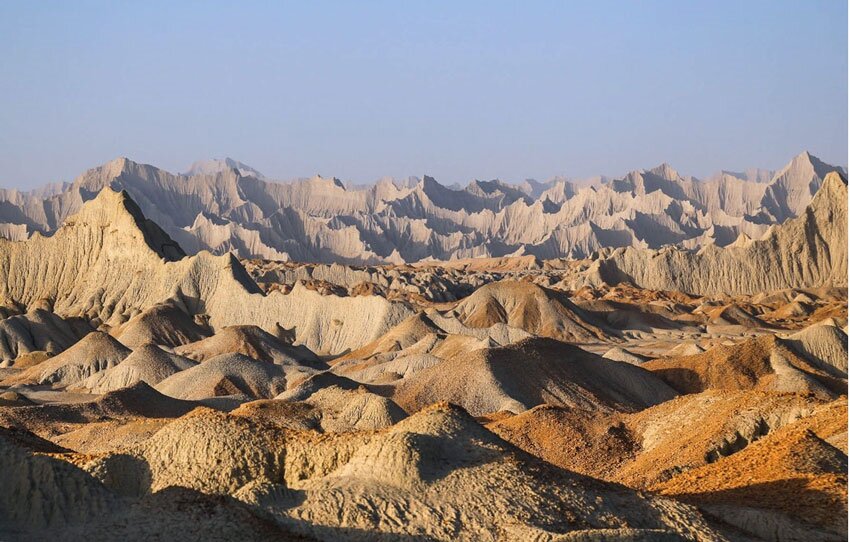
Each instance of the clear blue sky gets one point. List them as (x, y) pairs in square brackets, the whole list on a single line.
[(459, 90)]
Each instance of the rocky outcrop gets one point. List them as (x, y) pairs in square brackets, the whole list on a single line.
[(108, 263), (224, 205), (809, 251), (148, 363), (437, 475)]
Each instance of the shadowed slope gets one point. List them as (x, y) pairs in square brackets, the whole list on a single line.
[(528, 373)]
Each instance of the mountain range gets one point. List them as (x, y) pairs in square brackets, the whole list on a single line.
[(640, 394), (226, 206)]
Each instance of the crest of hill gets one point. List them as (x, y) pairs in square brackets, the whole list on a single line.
[(809, 251), (147, 363), (421, 341), (437, 459), (315, 383), (294, 416), (131, 403), (344, 403), (108, 236), (433, 333), (823, 344), (30, 441), (407, 333), (763, 363), (164, 324), (117, 210), (253, 342), (618, 353), (529, 307), (213, 166), (329, 409), (227, 206), (528, 373), (354, 410), (95, 352), (229, 374), (790, 190), (139, 400)]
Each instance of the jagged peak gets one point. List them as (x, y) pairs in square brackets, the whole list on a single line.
[(804, 160), (117, 166), (427, 180), (491, 187), (117, 209), (665, 171), (430, 186), (834, 185), (318, 180), (743, 240), (218, 165)]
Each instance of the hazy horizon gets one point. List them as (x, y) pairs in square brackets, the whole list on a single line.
[(449, 183), (480, 90)]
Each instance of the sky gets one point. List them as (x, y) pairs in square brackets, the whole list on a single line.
[(456, 90)]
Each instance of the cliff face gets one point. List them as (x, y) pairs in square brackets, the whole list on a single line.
[(805, 252)]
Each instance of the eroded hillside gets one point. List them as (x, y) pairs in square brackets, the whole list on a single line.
[(149, 394)]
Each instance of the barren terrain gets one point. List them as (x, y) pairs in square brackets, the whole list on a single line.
[(151, 390)]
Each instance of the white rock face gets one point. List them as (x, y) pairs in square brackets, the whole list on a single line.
[(225, 206), (809, 251), (109, 263)]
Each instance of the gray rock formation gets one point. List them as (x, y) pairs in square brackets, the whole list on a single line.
[(108, 264), (809, 251), (224, 205)]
